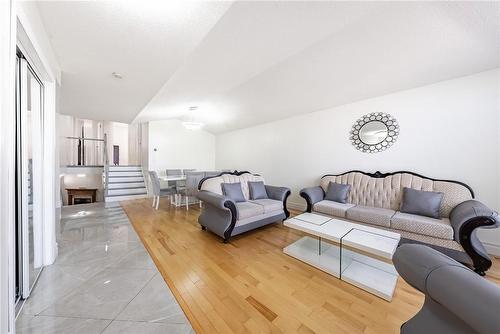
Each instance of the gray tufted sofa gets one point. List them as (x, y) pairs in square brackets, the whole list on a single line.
[(226, 218), (456, 300), (376, 198)]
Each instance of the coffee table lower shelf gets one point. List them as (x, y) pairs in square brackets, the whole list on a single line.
[(374, 276)]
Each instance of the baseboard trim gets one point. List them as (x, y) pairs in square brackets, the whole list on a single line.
[(492, 249), (296, 206)]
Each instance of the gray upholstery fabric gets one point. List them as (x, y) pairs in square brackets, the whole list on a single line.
[(269, 205), (423, 203), (155, 183), (332, 208), (439, 228), (156, 189), (277, 193), (233, 191), (248, 209), (215, 200), (315, 194), (192, 181), (469, 210), (371, 215), (215, 216), (257, 190), (457, 300), (337, 192)]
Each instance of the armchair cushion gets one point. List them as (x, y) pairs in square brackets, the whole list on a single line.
[(439, 228), (423, 203), (337, 192), (233, 191), (257, 190), (248, 209), (332, 208)]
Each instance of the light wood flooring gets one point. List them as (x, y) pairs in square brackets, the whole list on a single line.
[(250, 286)]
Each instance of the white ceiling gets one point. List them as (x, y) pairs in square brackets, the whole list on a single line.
[(253, 62)]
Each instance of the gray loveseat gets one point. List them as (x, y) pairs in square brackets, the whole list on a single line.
[(226, 217), (376, 199), (456, 300)]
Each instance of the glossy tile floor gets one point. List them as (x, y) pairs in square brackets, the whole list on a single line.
[(103, 281)]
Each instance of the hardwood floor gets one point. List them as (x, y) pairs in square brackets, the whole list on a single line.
[(250, 286)]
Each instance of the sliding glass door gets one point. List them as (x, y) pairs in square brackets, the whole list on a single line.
[(29, 112)]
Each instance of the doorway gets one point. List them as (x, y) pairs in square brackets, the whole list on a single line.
[(116, 155), (29, 152)]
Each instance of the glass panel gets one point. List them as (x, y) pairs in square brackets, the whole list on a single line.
[(32, 138), (366, 261)]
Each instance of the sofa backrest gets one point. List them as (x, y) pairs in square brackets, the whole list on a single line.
[(213, 184), (386, 190)]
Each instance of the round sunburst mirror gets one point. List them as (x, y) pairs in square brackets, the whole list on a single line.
[(374, 132)]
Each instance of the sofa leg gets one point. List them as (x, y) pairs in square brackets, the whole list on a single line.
[(203, 228), (226, 240), (480, 272)]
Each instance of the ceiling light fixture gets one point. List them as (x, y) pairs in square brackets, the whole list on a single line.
[(117, 75), (191, 124)]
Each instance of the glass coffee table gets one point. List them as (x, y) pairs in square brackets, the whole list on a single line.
[(358, 254)]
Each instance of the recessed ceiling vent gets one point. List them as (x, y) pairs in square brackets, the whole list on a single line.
[(117, 75)]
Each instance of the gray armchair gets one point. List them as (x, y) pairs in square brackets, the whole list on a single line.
[(226, 218), (457, 301), (157, 190), (191, 187)]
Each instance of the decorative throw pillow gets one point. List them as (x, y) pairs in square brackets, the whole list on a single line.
[(423, 203), (338, 192), (233, 191), (257, 190)]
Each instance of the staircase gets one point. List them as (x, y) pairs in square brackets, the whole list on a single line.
[(124, 183)]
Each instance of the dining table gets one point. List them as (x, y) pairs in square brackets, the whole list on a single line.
[(176, 200)]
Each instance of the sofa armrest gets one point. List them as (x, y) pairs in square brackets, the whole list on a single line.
[(451, 290), (219, 215), (279, 194), (312, 195), (465, 218), (218, 201)]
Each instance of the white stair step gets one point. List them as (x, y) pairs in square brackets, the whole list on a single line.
[(109, 199), (130, 191), (123, 185), (125, 173), (124, 168), (118, 179)]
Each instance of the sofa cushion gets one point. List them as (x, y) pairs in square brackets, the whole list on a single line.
[(422, 203), (257, 190), (269, 205), (233, 191), (371, 215), (438, 228), (248, 209), (332, 208), (337, 192)]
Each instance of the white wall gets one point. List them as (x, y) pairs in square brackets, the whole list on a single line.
[(173, 146), (447, 130)]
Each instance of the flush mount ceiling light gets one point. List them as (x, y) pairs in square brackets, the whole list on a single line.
[(117, 75), (191, 124)]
